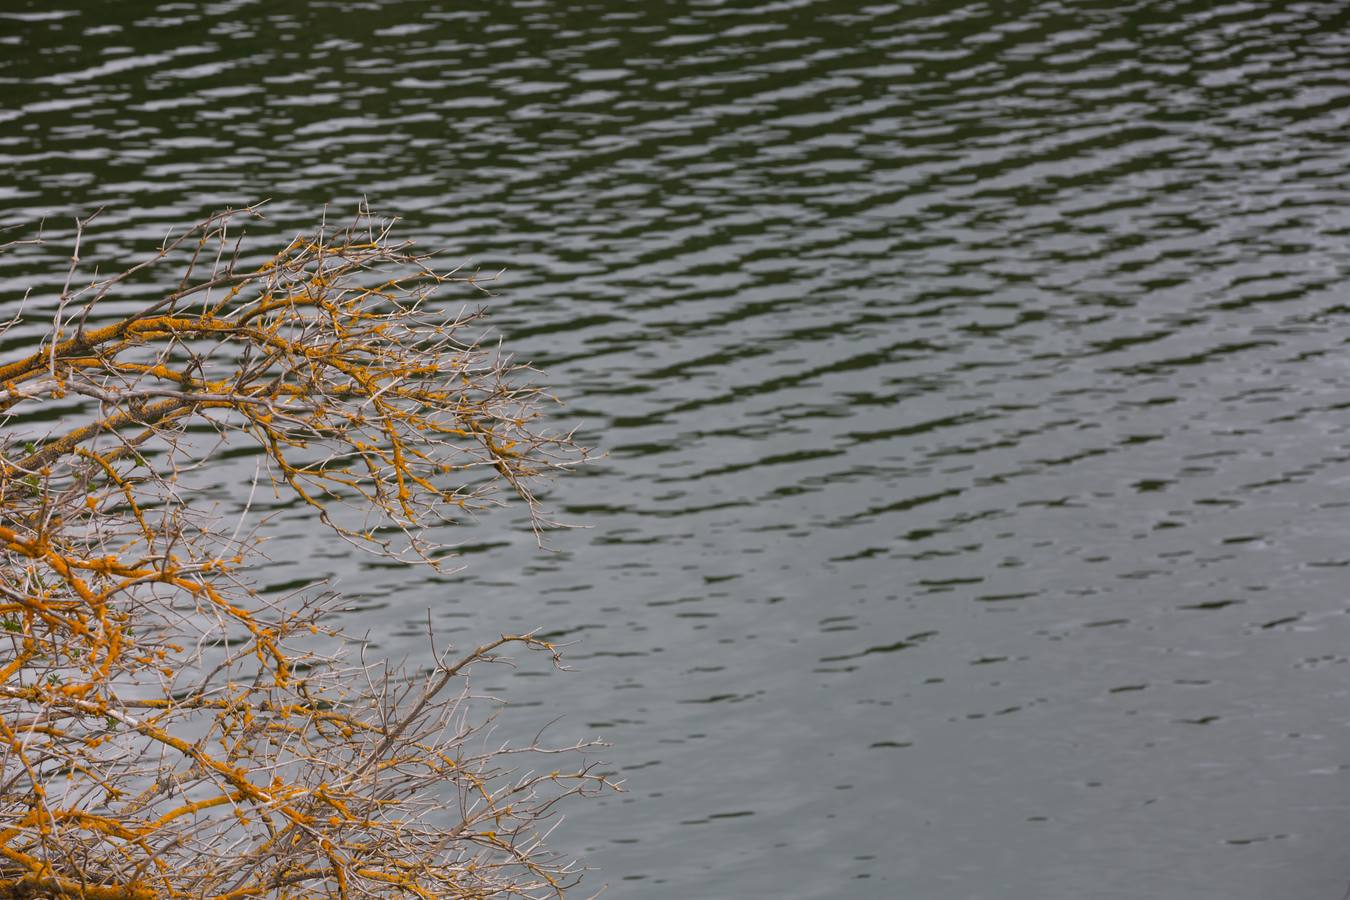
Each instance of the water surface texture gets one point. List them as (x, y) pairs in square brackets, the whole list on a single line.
[(973, 378)]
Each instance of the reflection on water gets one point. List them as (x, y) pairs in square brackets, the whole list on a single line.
[(972, 379)]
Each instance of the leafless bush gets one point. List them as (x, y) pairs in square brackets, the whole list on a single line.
[(166, 729)]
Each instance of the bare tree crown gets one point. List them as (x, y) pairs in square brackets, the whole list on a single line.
[(166, 729)]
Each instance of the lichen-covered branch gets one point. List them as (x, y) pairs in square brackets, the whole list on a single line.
[(165, 729)]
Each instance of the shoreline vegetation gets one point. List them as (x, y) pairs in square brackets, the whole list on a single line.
[(167, 728)]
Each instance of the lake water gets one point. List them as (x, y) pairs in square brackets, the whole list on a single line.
[(973, 379)]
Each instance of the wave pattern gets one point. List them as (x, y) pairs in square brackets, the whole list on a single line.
[(971, 379)]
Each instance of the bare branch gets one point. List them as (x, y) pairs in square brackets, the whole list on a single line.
[(168, 731)]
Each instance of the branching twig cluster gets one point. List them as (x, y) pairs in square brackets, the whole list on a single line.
[(165, 729)]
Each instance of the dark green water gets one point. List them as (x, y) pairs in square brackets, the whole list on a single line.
[(973, 376)]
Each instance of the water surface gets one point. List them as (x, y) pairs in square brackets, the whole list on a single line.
[(973, 380)]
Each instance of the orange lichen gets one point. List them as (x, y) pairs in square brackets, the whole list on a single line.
[(174, 710)]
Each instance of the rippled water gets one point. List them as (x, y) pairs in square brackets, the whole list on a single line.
[(973, 380)]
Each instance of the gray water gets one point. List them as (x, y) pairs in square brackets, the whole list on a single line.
[(972, 376)]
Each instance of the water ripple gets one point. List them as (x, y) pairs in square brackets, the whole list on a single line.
[(1006, 338)]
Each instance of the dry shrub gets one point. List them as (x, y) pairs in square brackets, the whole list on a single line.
[(166, 729)]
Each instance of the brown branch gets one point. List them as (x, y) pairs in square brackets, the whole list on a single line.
[(201, 742)]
